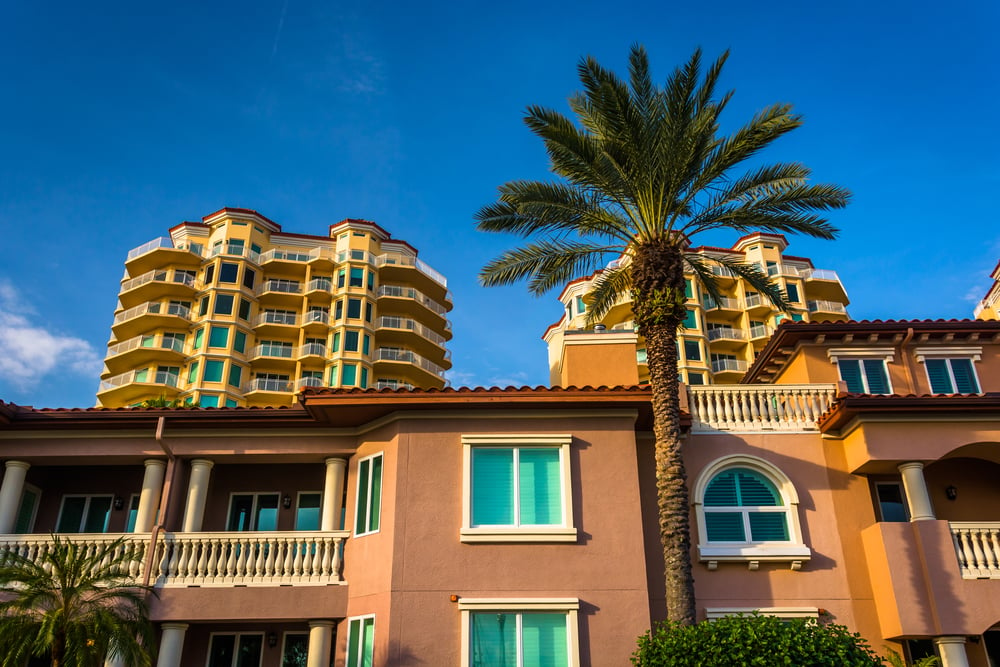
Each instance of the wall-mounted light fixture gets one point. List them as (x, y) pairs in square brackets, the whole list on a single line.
[(272, 639), (951, 493), (117, 503), (286, 502)]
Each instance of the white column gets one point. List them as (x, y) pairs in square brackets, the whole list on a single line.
[(952, 651), (917, 498), (171, 644), (194, 509), (10, 493), (320, 643), (149, 497), (333, 493)]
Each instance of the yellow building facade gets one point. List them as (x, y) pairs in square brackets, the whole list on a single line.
[(989, 307), (720, 338), (232, 311)]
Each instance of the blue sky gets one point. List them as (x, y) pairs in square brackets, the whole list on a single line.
[(121, 119)]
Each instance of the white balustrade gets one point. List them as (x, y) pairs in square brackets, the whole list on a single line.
[(410, 293), (788, 407), (977, 546), (249, 558), (826, 307), (399, 259), (36, 547)]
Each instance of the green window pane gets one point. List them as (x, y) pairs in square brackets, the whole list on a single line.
[(768, 527), (351, 341), (193, 371), (199, 338), (375, 513), (218, 337), (230, 403), (26, 512), (349, 375), (940, 379), (208, 400), (364, 378), (267, 512), (850, 372), (492, 486), (354, 308), (796, 317), (366, 344), (688, 292), (235, 375), (724, 527), (133, 512), (367, 642), (756, 491), (878, 381), (142, 375), (357, 277), (543, 640), (336, 342), (540, 487), (148, 341), (72, 515), (691, 320), (364, 481), (965, 376), (98, 514), (493, 640), (307, 514), (213, 371), (721, 491), (341, 277), (240, 342)]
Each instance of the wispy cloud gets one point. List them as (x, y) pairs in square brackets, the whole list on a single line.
[(31, 351), (515, 379), (277, 33)]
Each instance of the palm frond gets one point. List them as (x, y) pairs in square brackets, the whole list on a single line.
[(609, 288), (759, 280), (545, 264)]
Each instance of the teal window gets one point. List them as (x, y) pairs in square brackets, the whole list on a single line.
[(369, 504), (581, 307), (518, 638), (253, 246), (193, 371), (25, 520), (231, 403), (357, 278), (341, 277), (338, 310), (354, 308), (371, 280), (235, 375), (213, 371), (952, 376), (199, 338), (366, 344), (360, 641), (351, 341), (223, 304), (793, 292), (349, 376), (218, 337), (133, 512), (253, 511), (332, 374), (84, 514), (336, 342), (240, 342), (742, 505), (208, 400), (796, 317), (516, 486), (244, 312), (692, 350), (691, 320), (688, 289), (865, 376), (364, 378), (307, 512)]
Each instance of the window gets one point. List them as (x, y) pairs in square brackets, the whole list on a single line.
[(172, 341), (696, 378), (295, 650), (336, 342), (517, 488), (209, 273), (133, 512), (193, 371), (235, 375), (244, 311), (199, 338), (275, 348), (184, 277), (84, 514), (357, 278), (891, 502), (208, 400), (864, 376), (368, 312), (581, 307), (747, 510), (223, 304), (307, 511), (371, 280), (253, 511), (364, 378), (341, 277), (520, 632), (349, 376), (354, 308), (688, 289), (952, 376), (203, 307), (360, 641), (692, 350), (338, 309), (351, 341), (791, 290), (26, 509), (240, 342), (236, 650), (366, 344), (691, 320), (369, 502), (248, 278), (218, 337), (231, 403), (213, 370), (228, 272)]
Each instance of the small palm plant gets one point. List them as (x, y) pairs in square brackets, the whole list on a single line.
[(76, 603)]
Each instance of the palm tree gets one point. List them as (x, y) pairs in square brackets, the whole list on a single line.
[(640, 173), (77, 603)]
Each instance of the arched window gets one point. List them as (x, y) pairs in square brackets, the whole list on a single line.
[(747, 510)]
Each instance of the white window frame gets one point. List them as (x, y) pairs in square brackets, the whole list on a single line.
[(28, 487), (793, 551), (784, 613), (569, 606), (86, 510), (361, 619), (298, 505), (565, 532), (971, 353), (886, 354), (357, 494), (253, 509), (236, 653)]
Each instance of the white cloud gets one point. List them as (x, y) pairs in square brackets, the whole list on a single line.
[(30, 351), (516, 379)]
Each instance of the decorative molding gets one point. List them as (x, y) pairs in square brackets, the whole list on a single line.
[(886, 353), (973, 352)]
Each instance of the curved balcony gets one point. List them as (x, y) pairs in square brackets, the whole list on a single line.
[(267, 386), (141, 350), (150, 315), (757, 304), (409, 301), (726, 337), (311, 350), (399, 362), (302, 383), (723, 369), (413, 334), (823, 308), (281, 259), (275, 353), (156, 284), (316, 320), (824, 284), (158, 253), (409, 269), (760, 332), (320, 289), (392, 384), (235, 250), (724, 307), (275, 323), (136, 385), (288, 293)]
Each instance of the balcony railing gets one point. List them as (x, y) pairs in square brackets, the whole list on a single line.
[(978, 548), (175, 344), (272, 350), (389, 354), (410, 293), (283, 286), (155, 244), (320, 285), (355, 256), (275, 317), (153, 308), (320, 316), (157, 276), (312, 349), (726, 333), (390, 322), (729, 365), (724, 303), (825, 307), (299, 558), (277, 254), (820, 274), (406, 260), (392, 384), (760, 331), (235, 250), (789, 407), (268, 384), (754, 300), (140, 377), (302, 383)]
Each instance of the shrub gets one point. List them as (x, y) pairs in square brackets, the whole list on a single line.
[(753, 641)]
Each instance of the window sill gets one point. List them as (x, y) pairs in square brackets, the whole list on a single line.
[(535, 534), (752, 555)]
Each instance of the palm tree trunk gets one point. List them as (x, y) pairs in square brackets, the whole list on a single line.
[(58, 649)]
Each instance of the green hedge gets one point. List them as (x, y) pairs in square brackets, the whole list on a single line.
[(754, 641)]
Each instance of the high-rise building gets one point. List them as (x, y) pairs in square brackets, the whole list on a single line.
[(232, 311), (989, 307), (720, 338)]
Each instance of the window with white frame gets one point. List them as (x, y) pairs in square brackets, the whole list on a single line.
[(515, 632), (235, 650), (747, 510), (369, 502), (360, 641), (864, 370), (295, 649), (253, 511), (517, 488), (84, 514), (950, 370)]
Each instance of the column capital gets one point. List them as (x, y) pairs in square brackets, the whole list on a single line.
[(910, 465), (322, 624), (24, 465), (953, 639), (202, 463), (151, 463), (174, 626), (336, 460)]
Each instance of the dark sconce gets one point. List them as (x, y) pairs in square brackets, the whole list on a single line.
[(951, 493), (272, 639), (117, 503), (286, 502)]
